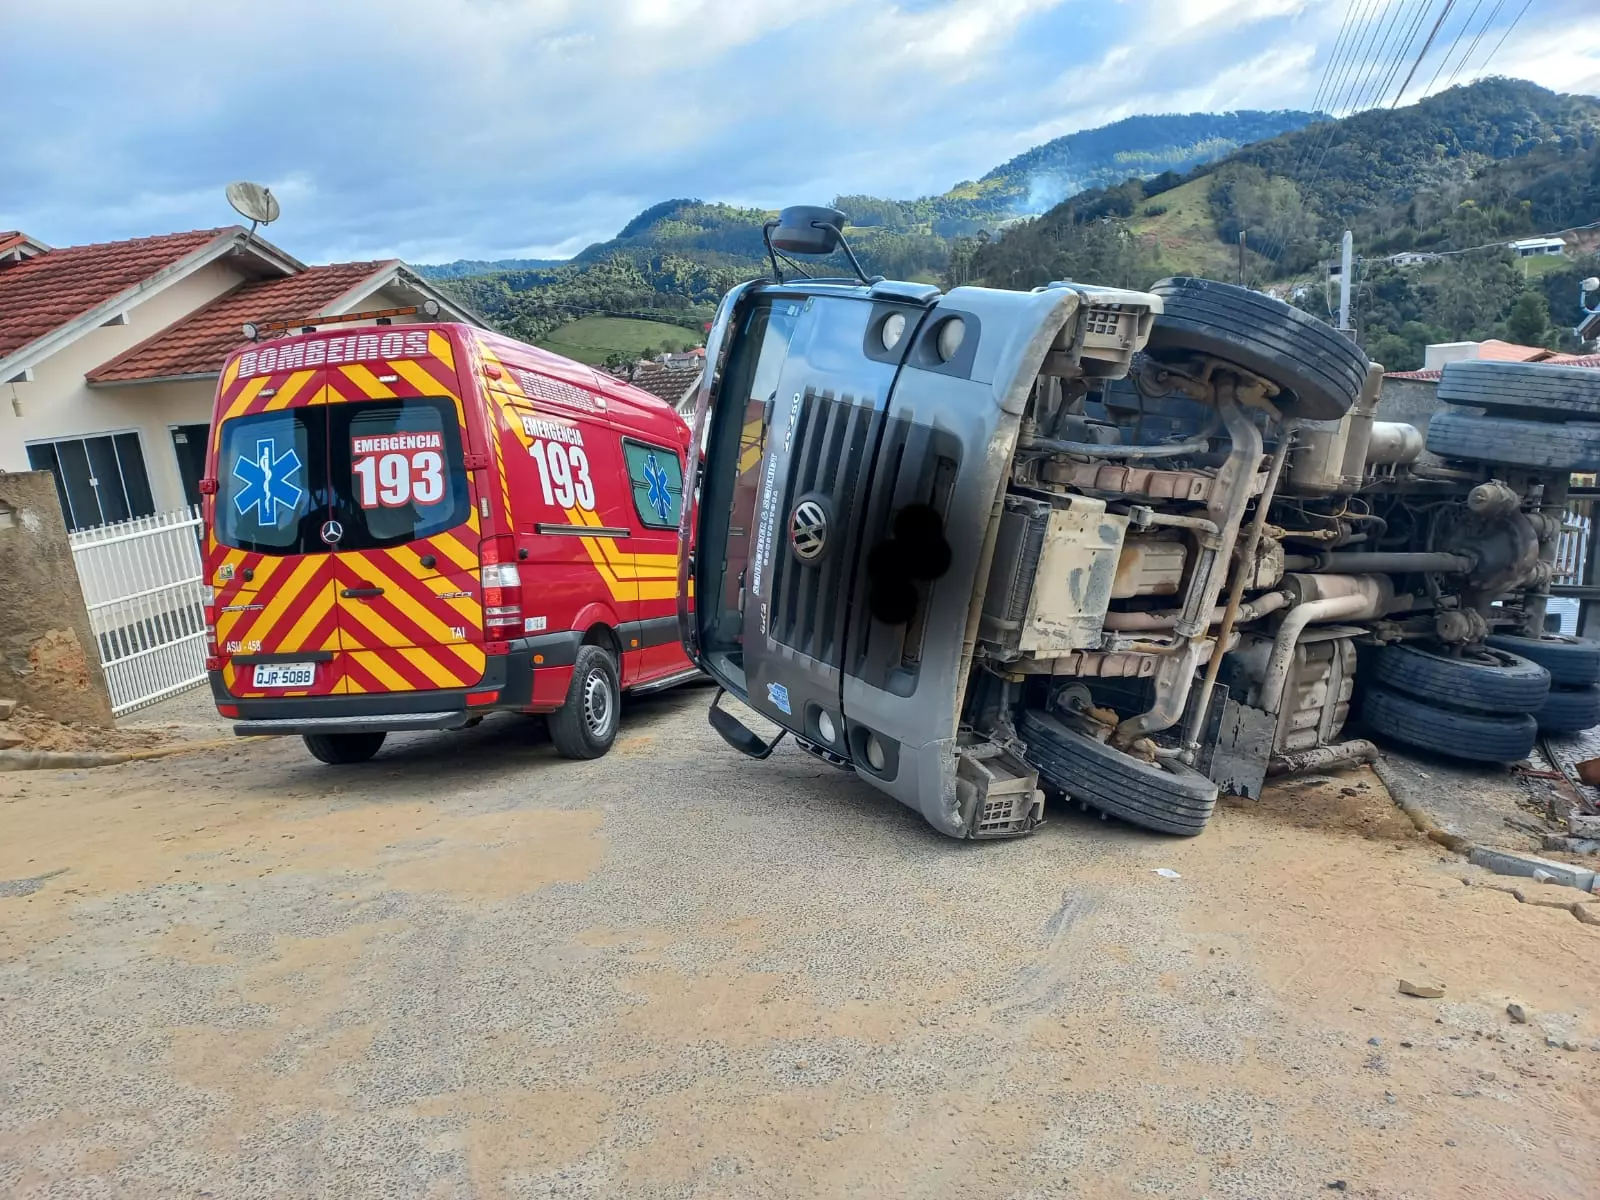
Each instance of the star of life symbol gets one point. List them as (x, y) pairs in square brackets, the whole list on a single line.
[(657, 496), (269, 482)]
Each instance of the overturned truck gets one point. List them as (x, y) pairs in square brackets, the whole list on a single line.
[(1127, 548)]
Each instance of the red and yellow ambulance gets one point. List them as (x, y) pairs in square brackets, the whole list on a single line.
[(409, 526)]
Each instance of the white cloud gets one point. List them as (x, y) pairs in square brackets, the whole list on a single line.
[(486, 128)]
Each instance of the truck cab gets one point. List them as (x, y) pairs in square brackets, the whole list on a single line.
[(1128, 549)]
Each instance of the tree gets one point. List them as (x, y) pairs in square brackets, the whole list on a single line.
[(1529, 321)]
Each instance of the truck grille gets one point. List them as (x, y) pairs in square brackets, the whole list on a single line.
[(832, 437), (916, 465)]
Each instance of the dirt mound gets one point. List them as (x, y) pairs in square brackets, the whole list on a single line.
[(39, 732)]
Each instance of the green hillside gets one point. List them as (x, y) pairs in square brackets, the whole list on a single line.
[(595, 339)]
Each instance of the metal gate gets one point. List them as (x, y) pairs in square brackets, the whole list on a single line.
[(142, 584)]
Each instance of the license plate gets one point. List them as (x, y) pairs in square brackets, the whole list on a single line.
[(285, 675)]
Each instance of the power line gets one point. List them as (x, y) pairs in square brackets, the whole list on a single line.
[(1467, 57), (1385, 41), (1445, 61), (1423, 53), (1507, 33), (1411, 36)]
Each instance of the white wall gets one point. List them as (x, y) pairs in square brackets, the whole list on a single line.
[(58, 403)]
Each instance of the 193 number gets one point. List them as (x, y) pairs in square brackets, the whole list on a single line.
[(395, 479), (563, 474)]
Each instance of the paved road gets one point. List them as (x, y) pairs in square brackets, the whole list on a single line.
[(470, 969)]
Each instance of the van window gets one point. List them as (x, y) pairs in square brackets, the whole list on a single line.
[(656, 477), (389, 471)]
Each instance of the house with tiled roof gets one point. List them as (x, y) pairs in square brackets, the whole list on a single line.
[(109, 352)]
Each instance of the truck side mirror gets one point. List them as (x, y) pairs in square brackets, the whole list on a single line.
[(808, 229)]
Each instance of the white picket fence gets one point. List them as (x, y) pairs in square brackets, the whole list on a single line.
[(142, 584)]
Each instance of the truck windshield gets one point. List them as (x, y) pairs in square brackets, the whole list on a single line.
[(736, 440), (389, 471)]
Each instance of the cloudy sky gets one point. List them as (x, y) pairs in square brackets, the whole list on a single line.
[(441, 129)]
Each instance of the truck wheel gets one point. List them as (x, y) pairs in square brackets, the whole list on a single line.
[(1320, 370), (1179, 800), (1495, 681), (339, 749), (1542, 445), (1571, 661), (1535, 388), (1479, 737), (1570, 710), (586, 724)]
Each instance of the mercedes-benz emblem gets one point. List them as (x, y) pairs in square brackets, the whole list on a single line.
[(332, 532), (808, 530)]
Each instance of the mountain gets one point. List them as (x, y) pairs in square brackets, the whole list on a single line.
[(719, 234), (463, 267), (1467, 169)]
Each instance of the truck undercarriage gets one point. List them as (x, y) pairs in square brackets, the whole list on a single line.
[(1134, 548)]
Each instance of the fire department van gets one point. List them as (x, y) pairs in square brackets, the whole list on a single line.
[(411, 526)]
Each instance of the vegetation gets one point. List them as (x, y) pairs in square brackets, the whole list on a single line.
[(609, 340)]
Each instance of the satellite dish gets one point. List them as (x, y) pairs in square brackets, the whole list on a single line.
[(253, 201)]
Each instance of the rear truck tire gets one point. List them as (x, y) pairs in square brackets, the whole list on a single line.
[(586, 723), (1571, 661), (1179, 800), (1541, 445), (1570, 710), (342, 749), (1476, 736), (1499, 682), (1320, 370), (1532, 388)]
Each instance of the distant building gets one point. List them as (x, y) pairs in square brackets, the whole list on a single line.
[(1408, 258), (1537, 246)]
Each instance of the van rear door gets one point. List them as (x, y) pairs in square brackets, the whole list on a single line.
[(406, 566), (346, 531)]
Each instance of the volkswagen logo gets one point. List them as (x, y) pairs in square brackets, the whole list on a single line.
[(332, 532), (808, 530)]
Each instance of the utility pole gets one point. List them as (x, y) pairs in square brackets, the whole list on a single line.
[(1241, 258), (1345, 251)]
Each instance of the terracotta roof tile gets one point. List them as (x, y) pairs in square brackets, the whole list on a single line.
[(198, 343), (44, 292), (668, 380)]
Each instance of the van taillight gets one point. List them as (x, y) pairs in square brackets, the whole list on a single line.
[(502, 587), (208, 597)]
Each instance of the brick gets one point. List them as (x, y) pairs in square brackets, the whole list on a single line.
[(7, 707), (1583, 826), (1504, 862)]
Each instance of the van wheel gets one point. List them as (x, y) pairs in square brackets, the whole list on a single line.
[(340, 749), (586, 725)]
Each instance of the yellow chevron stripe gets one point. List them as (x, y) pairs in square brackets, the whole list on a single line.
[(439, 347), (315, 612), (429, 665), (292, 587), (229, 374), (464, 556), (290, 389), (239, 403), (432, 627), (370, 385), (422, 379), (405, 559), (391, 679)]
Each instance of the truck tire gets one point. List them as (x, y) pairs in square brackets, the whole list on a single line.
[(1320, 370), (586, 723), (1534, 388), (1177, 801), (1498, 682), (1571, 661), (1570, 710), (1542, 445), (1478, 737), (341, 749)]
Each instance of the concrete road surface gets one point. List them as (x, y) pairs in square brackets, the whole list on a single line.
[(471, 969)]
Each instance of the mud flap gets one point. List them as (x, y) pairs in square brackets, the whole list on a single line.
[(1237, 747)]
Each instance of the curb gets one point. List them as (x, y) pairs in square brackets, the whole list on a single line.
[(1419, 818)]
